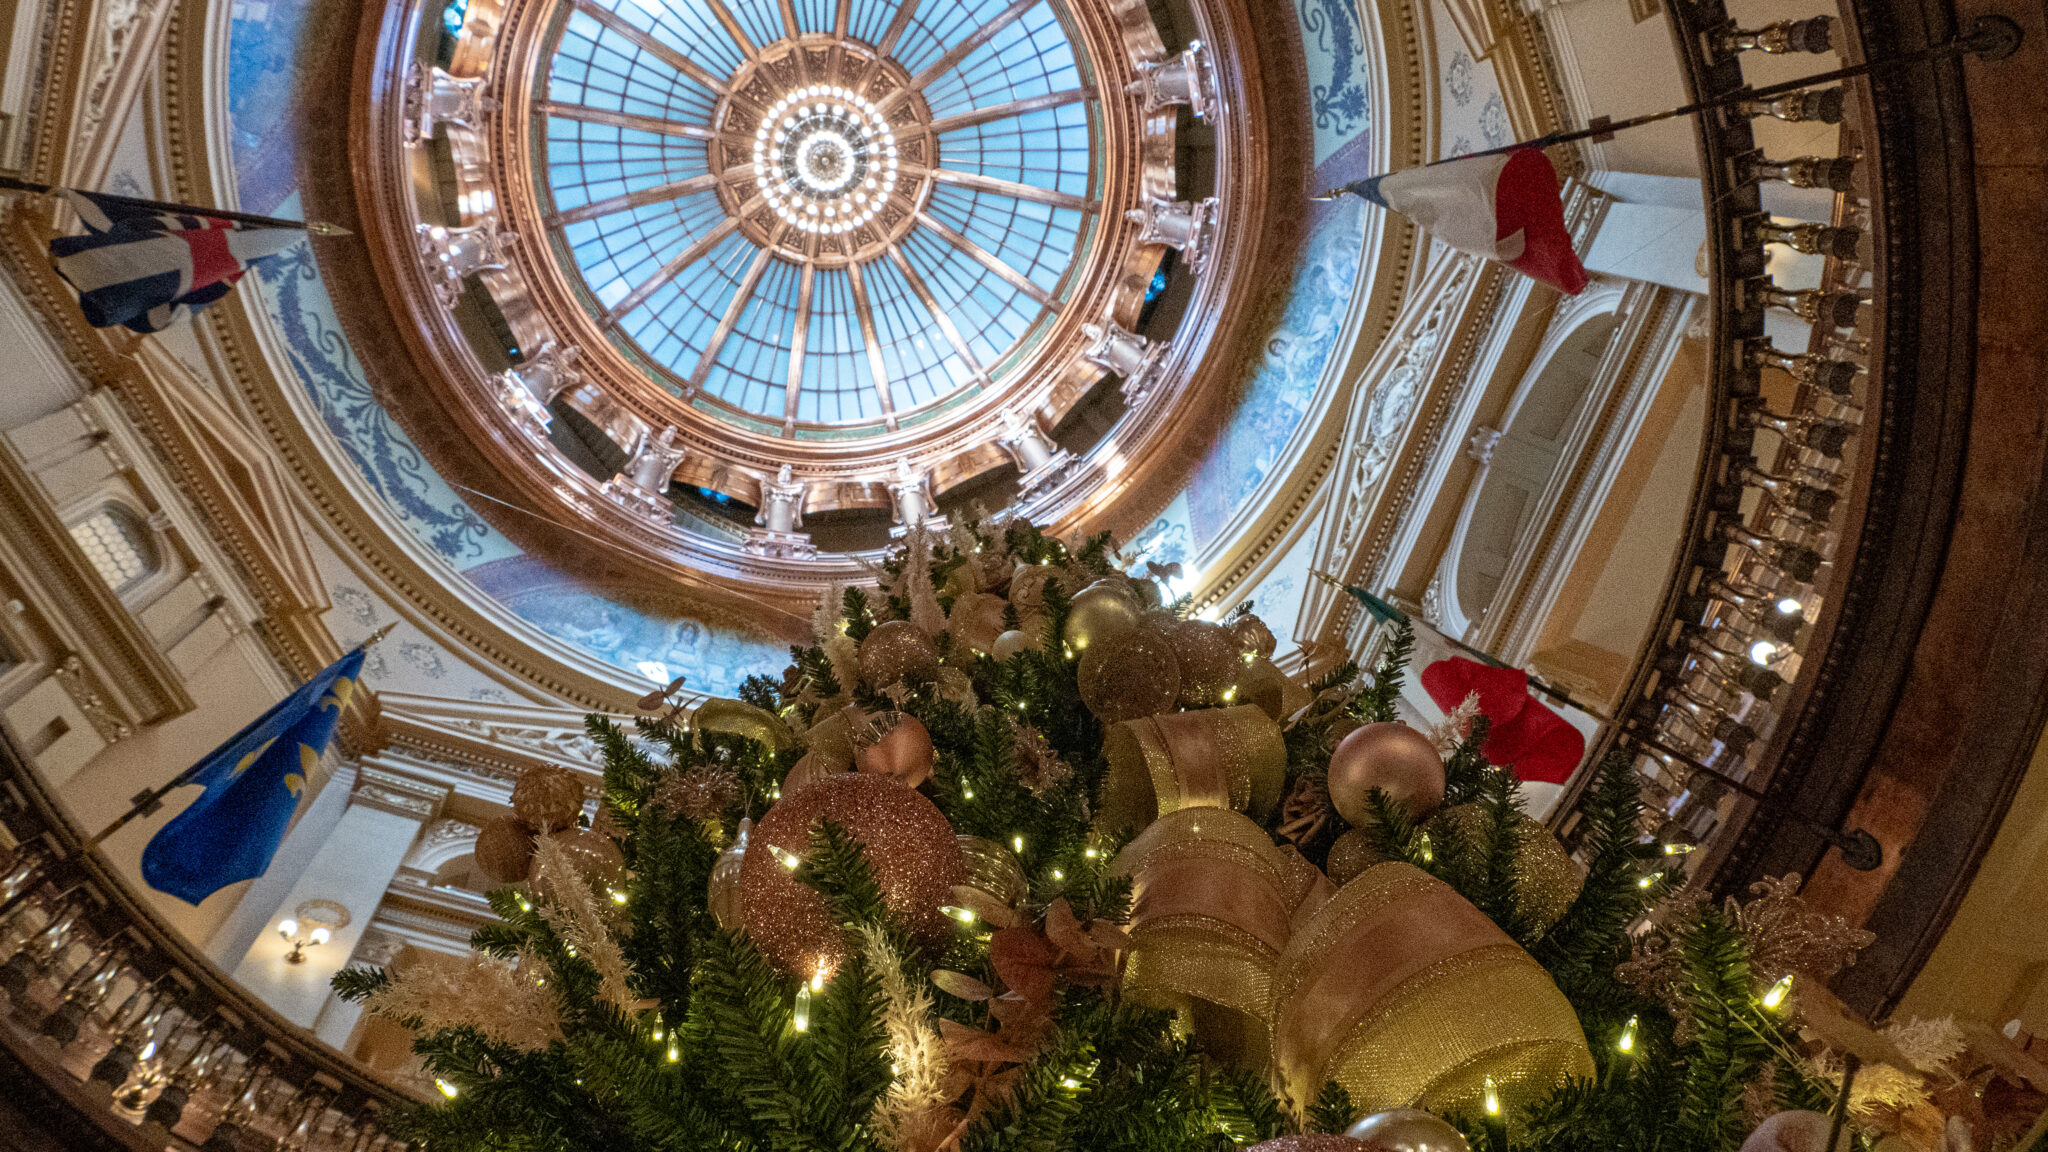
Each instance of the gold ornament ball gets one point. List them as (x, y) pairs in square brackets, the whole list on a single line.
[(504, 849), (594, 857), (1101, 613), (810, 768), (897, 650), (1148, 595), (547, 797), (1546, 880), (830, 738), (1392, 757), (1253, 636), (1351, 854), (1012, 643), (1136, 676), (994, 869), (909, 845), (1311, 1142), (739, 718), (1407, 1130), (902, 748), (1264, 684), (1210, 663)]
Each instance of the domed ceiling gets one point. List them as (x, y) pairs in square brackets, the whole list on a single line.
[(1059, 298)]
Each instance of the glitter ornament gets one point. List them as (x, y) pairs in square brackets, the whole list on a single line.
[(1546, 880), (897, 650), (1136, 676), (1796, 1131), (831, 737), (1011, 643), (1311, 1142), (723, 897), (909, 845), (594, 857), (1147, 594), (1210, 663), (895, 744), (1101, 613), (547, 797), (1408, 1130), (1253, 636), (504, 849), (1351, 854), (1392, 757), (700, 793), (1039, 768)]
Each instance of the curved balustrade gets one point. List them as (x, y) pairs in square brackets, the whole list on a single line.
[(1754, 587), (134, 1038)]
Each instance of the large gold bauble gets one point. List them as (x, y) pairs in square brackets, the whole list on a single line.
[(830, 738), (1311, 1142), (547, 797), (1210, 663), (1351, 854), (1408, 1130), (909, 846), (1138, 675), (1546, 880), (739, 718), (1392, 757), (504, 849), (896, 650), (1100, 614)]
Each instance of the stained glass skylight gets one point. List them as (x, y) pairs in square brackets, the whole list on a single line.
[(815, 217)]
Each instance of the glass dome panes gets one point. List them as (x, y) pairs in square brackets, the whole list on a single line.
[(650, 137)]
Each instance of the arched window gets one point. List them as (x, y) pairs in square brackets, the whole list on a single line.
[(119, 544)]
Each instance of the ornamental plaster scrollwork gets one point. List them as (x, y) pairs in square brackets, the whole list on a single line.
[(443, 840), (399, 795), (118, 51), (452, 254), (1393, 402), (71, 675), (558, 744), (1189, 78), (433, 98)]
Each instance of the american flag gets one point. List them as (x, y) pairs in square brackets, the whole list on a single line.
[(145, 270)]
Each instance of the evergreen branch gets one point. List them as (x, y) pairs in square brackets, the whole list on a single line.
[(742, 1013), (1332, 1110), (1376, 703), (837, 867), (1582, 948), (353, 984), (1246, 1108), (1725, 1051)]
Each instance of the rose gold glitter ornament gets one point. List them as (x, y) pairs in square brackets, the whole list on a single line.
[(547, 797), (896, 650), (1351, 854), (1392, 757), (1138, 675), (1312, 1142), (895, 744), (594, 857), (909, 845), (504, 849), (1210, 663)]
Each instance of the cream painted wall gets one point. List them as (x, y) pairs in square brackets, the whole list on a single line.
[(1992, 963)]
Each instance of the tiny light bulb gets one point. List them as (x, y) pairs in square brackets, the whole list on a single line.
[(674, 1054), (1763, 651), (1016, 842), (1428, 850), (1090, 853), (963, 915), (818, 979), (966, 791), (1627, 1043), (658, 1032), (1492, 1098), (618, 897), (1678, 849), (447, 1089), (1058, 875), (1775, 995), (800, 1019), (1790, 605), (785, 857), (1069, 1083), (1646, 881)]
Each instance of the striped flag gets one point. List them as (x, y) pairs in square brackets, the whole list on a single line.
[(1504, 206), (145, 270)]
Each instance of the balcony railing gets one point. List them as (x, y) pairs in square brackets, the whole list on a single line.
[(132, 1031)]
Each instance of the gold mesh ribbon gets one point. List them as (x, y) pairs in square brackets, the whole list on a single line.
[(1212, 904), (1212, 758), (1408, 996)]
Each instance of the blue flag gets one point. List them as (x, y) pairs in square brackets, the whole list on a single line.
[(252, 785)]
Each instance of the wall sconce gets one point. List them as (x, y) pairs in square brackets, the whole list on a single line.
[(312, 924)]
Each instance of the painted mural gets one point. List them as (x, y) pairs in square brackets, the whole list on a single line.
[(267, 54)]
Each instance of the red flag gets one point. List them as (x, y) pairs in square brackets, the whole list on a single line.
[(1522, 733)]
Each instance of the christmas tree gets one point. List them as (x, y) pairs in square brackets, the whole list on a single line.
[(1015, 858)]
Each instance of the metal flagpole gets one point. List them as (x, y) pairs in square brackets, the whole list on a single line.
[(316, 227), (150, 800), (1991, 37)]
